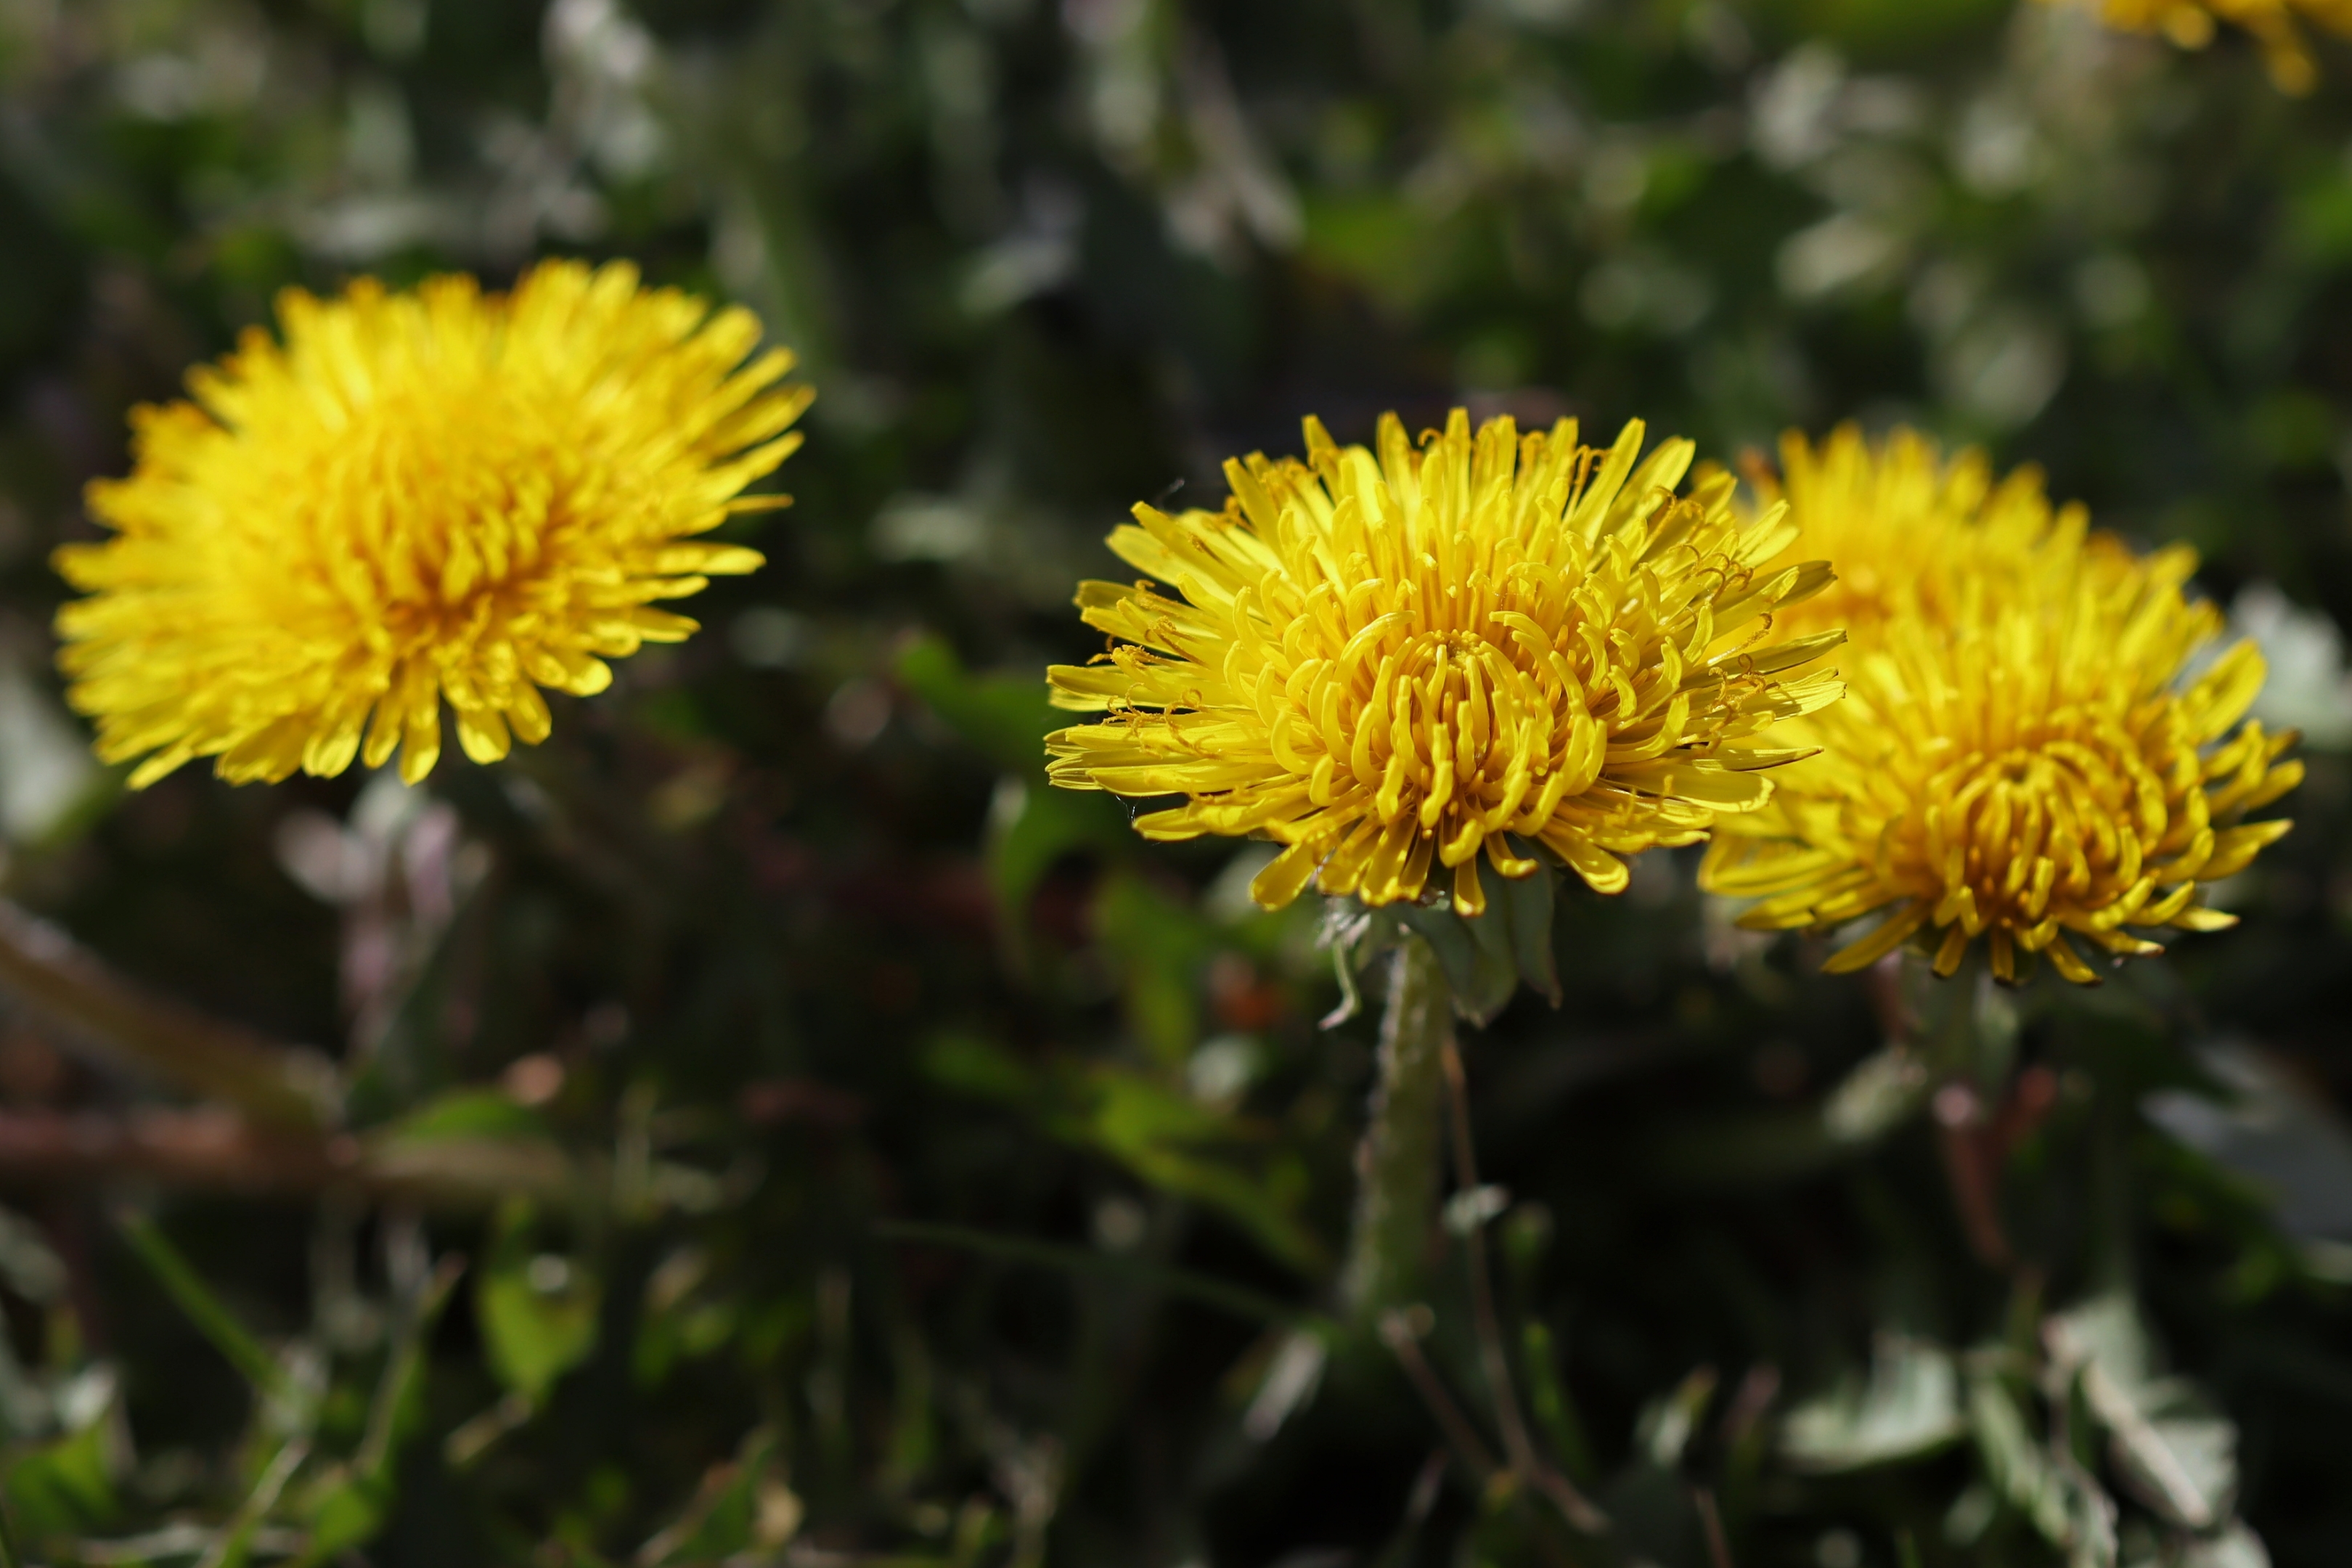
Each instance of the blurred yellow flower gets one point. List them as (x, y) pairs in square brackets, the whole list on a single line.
[(1903, 526), (1388, 661), (417, 496), (2035, 749), (2190, 24)]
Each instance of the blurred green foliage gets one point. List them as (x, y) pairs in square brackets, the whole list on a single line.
[(779, 1129)]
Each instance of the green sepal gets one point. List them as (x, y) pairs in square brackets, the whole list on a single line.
[(1487, 957)]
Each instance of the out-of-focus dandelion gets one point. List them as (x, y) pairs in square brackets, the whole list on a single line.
[(439, 494), (2035, 748), (1396, 662), (1906, 527), (2273, 24)]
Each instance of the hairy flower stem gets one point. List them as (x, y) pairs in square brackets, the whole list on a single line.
[(1397, 1164), (1973, 1055)]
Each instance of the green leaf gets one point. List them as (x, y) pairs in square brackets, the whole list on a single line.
[(348, 1515), (2173, 1449), (974, 1067), (1649, 1501), (1883, 1091), (65, 1486), (1379, 241), (1554, 1410), (2235, 1547), (1487, 958), (1182, 1147), (466, 1113), (1480, 969), (27, 1263), (193, 1298), (1031, 825), (2017, 1468), (2281, 1141), (1521, 910), (1908, 1406), (1165, 1138), (1234, 1299), (537, 1310), (2064, 1505), (1667, 1424), (1163, 946), (1005, 718)]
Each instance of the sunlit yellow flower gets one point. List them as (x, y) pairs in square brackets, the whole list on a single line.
[(417, 496), (1905, 526), (2042, 759), (2190, 24), (1386, 662)]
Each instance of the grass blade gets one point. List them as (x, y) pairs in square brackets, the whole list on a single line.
[(1237, 1299)]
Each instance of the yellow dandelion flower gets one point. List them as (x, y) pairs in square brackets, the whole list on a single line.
[(1904, 525), (2047, 758), (2273, 24), (421, 496), (1480, 644)]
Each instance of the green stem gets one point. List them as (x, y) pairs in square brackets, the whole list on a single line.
[(1397, 1164), (1971, 1054)]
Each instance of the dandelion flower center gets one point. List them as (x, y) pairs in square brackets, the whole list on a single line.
[(416, 497), (1477, 646)]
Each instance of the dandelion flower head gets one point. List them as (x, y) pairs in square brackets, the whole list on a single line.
[(416, 497), (1396, 660), (1904, 525), (2056, 758), (2273, 24)]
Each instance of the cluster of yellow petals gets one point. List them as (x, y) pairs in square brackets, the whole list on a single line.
[(1479, 643), (437, 494), (2035, 747), (2273, 24), (1905, 528)]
